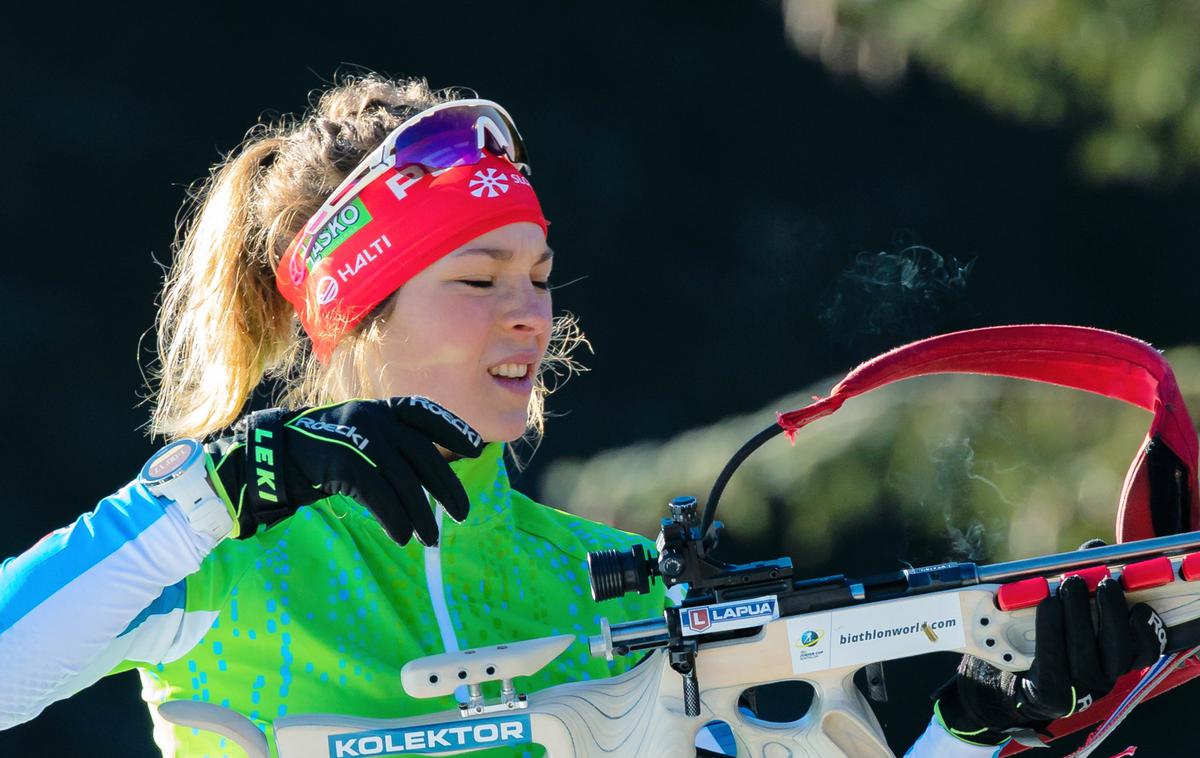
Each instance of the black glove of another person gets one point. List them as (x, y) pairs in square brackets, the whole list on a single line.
[(379, 452), (1075, 663)]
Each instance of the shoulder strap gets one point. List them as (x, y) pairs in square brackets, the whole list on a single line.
[(1160, 495)]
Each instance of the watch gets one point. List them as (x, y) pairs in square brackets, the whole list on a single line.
[(178, 473)]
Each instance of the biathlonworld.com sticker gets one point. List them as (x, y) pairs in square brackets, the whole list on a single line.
[(875, 632)]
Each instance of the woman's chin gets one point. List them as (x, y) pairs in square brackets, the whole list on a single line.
[(504, 429)]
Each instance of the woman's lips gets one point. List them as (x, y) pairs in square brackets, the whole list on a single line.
[(515, 372), (521, 385)]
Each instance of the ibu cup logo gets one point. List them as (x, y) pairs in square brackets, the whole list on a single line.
[(699, 619), (327, 290), (490, 181), (808, 638)]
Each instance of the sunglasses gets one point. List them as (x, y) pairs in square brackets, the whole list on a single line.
[(458, 133)]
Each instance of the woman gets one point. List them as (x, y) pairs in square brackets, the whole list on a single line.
[(388, 246)]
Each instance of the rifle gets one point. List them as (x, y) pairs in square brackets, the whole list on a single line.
[(740, 626), (745, 625)]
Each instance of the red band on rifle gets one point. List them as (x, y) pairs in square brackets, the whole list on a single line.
[(1023, 594), (1189, 569), (1091, 576), (1154, 572)]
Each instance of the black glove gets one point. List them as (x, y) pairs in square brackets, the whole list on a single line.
[(1075, 663), (378, 452)]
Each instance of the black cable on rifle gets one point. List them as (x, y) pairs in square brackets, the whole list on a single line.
[(754, 443)]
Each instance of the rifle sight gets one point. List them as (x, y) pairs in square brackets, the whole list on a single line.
[(682, 557)]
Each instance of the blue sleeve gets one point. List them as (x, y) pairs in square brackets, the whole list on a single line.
[(88, 596)]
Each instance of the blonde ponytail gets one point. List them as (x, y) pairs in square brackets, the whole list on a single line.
[(220, 323)]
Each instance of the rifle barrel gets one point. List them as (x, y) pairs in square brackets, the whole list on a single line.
[(1122, 553), (632, 635)]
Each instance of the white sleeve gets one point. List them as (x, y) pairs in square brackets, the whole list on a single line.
[(676, 593), (936, 742), (106, 589)]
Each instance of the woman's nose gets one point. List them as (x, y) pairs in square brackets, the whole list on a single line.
[(529, 310)]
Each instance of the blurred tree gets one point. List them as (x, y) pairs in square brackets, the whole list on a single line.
[(965, 467), (1124, 73)]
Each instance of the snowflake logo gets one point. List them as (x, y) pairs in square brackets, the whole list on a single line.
[(490, 181)]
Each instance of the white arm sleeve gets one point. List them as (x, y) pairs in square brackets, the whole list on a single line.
[(936, 742), (107, 589)]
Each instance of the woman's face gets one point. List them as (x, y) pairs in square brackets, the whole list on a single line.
[(470, 330)]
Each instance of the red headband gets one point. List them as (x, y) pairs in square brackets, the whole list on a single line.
[(339, 268)]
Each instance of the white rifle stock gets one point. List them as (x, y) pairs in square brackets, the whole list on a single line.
[(643, 712)]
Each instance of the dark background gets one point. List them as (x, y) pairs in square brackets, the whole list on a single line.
[(707, 182)]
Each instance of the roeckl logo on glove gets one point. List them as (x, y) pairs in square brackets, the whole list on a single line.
[(1160, 631), (462, 426), (350, 432)]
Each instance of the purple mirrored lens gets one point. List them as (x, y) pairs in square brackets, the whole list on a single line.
[(447, 138)]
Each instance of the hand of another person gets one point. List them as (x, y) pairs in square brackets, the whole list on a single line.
[(1075, 663), (381, 453)]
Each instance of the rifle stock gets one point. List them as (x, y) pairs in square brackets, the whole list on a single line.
[(643, 713)]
